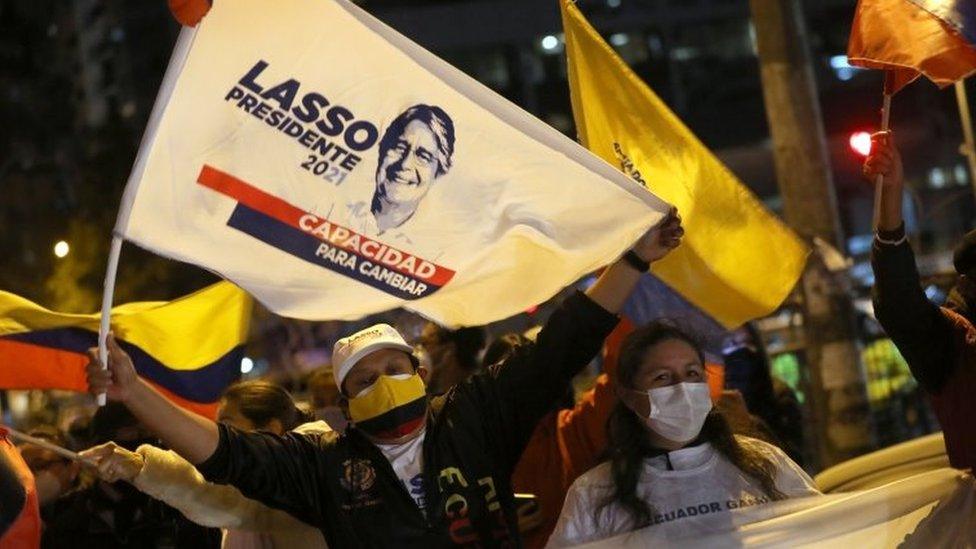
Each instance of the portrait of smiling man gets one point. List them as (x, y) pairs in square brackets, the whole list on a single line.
[(415, 150)]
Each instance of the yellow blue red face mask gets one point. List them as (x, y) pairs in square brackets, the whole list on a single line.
[(390, 408)]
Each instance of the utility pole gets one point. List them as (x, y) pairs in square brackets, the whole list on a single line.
[(839, 404)]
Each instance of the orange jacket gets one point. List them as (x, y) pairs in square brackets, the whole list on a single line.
[(566, 444), (25, 531)]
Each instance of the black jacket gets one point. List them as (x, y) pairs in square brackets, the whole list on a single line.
[(475, 436), (90, 518), (919, 329), (938, 343)]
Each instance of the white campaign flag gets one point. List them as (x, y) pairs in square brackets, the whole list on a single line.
[(333, 169), (932, 509)]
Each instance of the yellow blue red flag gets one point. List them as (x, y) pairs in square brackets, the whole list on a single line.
[(915, 37), (737, 261), (190, 348)]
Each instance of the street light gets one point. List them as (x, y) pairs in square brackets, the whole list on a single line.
[(61, 249), (247, 364), (861, 143), (549, 43), (620, 39)]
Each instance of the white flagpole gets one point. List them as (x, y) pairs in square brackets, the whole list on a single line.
[(180, 52), (108, 293), (885, 115), (968, 149), (17, 436)]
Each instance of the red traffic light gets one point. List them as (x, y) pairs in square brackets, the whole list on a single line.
[(861, 143)]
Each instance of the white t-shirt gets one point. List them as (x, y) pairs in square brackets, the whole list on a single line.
[(407, 460), (702, 482)]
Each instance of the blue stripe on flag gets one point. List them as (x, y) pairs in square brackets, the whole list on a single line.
[(958, 14), (305, 246), (652, 299)]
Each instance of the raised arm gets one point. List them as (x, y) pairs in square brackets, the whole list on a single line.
[(885, 160), (166, 476), (527, 385), (917, 326), (619, 279), (192, 436)]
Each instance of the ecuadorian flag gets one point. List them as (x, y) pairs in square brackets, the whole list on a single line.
[(914, 37), (190, 349)]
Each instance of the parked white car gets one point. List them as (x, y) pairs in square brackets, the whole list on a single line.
[(888, 465)]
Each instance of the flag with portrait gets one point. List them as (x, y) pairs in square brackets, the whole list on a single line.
[(334, 169)]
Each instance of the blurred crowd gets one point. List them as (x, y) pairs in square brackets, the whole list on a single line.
[(575, 431), (155, 500)]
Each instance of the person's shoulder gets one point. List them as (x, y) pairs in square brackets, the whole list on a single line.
[(313, 428), (470, 396), (519, 354), (314, 435), (436, 403), (589, 494), (463, 403), (960, 324), (477, 384), (597, 478), (770, 450), (791, 479), (754, 442)]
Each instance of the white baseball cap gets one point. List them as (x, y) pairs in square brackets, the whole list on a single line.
[(349, 350)]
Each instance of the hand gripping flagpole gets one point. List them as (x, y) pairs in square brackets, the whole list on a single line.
[(885, 115)]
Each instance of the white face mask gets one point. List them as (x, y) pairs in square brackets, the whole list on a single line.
[(678, 411)]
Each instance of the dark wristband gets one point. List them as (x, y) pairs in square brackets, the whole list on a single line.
[(894, 234), (636, 262), (893, 237)]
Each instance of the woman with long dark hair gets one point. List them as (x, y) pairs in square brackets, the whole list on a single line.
[(670, 455)]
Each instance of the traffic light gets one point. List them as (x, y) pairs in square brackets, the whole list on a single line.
[(860, 143)]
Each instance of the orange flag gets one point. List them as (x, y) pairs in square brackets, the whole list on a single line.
[(909, 40)]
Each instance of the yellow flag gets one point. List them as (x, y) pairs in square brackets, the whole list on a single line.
[(737, 260)]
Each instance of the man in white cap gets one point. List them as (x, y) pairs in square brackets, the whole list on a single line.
[(409, 471)]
